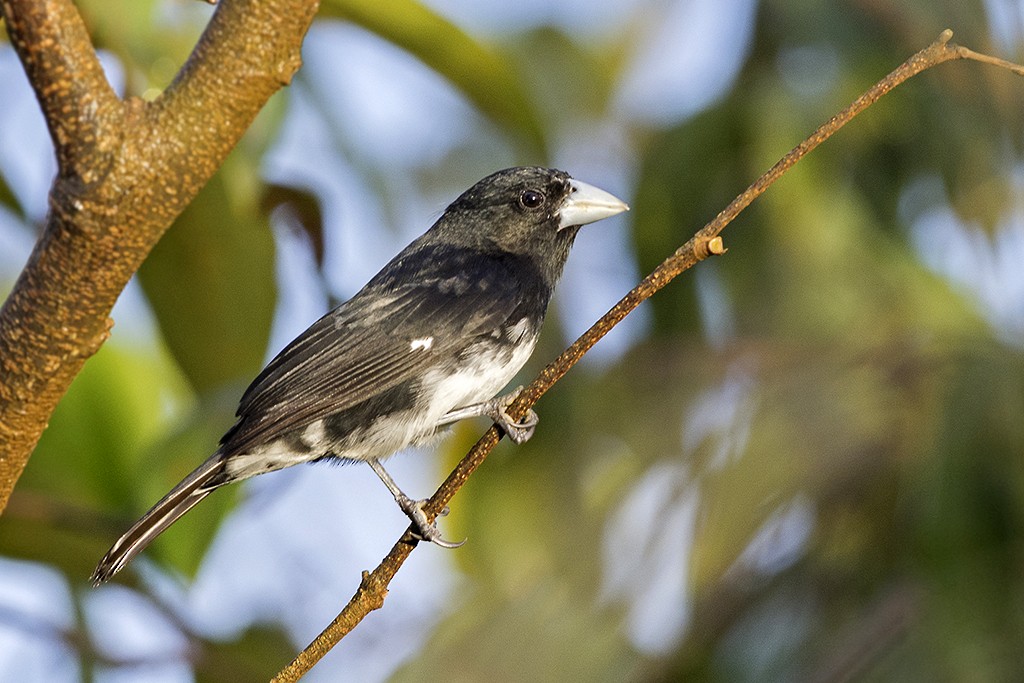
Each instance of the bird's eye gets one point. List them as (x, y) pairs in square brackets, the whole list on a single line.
[(531, 199)]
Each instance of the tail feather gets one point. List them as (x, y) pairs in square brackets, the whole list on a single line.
[(182, 498)]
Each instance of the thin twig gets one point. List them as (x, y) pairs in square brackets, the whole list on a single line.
[(374, 585)]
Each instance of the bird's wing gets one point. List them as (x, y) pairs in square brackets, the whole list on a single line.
[(392, 330)]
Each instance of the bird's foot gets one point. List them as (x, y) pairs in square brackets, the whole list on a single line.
[(519, 431), (423, 528)]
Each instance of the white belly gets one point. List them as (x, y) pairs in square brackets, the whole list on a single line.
[(472, 383)]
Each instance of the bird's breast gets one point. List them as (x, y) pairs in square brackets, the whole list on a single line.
[(480, 370)]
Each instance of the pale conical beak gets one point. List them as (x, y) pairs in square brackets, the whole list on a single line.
[(586, 204)]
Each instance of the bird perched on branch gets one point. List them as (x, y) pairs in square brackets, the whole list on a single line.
[(430, 340)]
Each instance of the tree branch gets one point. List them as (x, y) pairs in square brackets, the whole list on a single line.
[(80, 108), (126, 169), (374, 585)]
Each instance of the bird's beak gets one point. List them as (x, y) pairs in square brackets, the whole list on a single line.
[(586, 204)]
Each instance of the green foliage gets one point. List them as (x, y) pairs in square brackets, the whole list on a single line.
[(150, 50), (210, 280), (57, 515), (850, 382), (8, 200)]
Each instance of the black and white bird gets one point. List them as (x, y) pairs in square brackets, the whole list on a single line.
[(430, 340)]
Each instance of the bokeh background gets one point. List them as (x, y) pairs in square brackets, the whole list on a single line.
[(801, 461)]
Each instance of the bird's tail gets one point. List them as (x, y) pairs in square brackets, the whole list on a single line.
[(182, 498)]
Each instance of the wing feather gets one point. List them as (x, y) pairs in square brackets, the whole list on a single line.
[(363, 347)]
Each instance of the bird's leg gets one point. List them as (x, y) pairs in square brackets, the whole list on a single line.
[(413, 509), (497, 409)]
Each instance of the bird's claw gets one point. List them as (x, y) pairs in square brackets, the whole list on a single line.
[(424, 529), (519, 431)]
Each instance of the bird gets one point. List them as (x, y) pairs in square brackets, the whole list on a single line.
[(430, 340)]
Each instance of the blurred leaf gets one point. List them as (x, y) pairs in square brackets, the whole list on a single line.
[(256, 655), (484, 76), (578, 81), (565, 639), (42, 528), (152, 39), (168, 461), (9, 200), (302, 212), (120, 417), (101, 425), (211, 282), (99, 428), (687, 175), (212, 272), (68, 498)]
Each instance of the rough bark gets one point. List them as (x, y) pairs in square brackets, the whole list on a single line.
[(126, 169)]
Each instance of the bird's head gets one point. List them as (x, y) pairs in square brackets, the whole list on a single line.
[(527, 210)]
